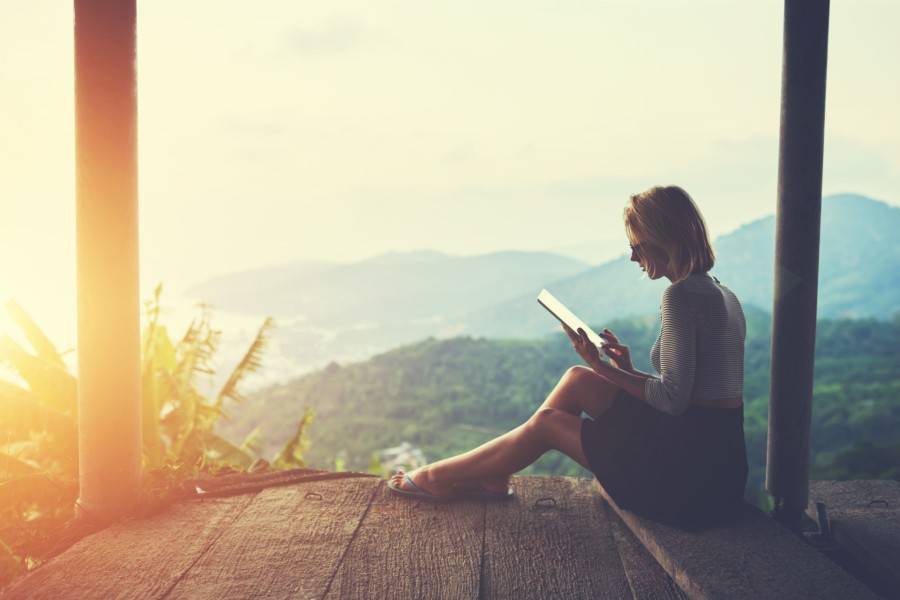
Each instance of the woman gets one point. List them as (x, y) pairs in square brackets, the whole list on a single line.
[(669, 446)]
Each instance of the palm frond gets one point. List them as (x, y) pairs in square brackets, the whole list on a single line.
[(188, 452), (36, 488), (291, 455), (187, 409), (150, 334), (41, 344), (187, 353), (53, 456), (10, 467), (224, 451), (249, 363), (10, 391), (151, 310), (196, 349), (51, 384), (151, 401), (253, 442), (21, 413)]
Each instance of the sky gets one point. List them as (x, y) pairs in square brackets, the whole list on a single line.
[(285, 130)]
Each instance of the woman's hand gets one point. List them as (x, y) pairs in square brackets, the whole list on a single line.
[(585, 348), (618, 353)]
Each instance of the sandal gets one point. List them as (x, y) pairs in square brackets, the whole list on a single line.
[(418, 492)]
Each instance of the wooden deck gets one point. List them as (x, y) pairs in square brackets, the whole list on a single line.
[(865, 519), (351, 538)]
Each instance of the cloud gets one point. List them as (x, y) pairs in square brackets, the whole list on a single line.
[(337, 35)]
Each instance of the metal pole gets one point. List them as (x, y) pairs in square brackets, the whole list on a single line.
[(797, 255), (109, 380)]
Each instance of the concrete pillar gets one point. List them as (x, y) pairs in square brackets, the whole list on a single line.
[(797, 255), (109, 377)]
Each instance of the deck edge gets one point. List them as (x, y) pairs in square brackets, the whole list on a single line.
[(693, 574)]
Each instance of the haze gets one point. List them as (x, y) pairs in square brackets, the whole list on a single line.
[(278, 131)]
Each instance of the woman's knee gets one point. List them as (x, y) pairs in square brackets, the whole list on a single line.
[(537, 423), (542, 417), (593, 393), (547, 422), (552, 428), (577, 373)]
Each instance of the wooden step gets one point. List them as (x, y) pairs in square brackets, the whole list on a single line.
[(753, 557), (865, 520), (646, 578)]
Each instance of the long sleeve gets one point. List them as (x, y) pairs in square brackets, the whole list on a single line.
[(671, 391)]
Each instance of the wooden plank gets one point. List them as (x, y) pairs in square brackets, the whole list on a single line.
[(858, 495), (135, 559), (648, 580), (753, 557), (288, 543), (865, 520), (407, 548), (553, 540)]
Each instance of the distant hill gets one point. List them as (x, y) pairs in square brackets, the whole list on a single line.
[(859, 259), (394, 287), (259, 291), (859, 274), (334, 311)]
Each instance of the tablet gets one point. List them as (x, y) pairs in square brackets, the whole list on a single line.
[(564, 315)]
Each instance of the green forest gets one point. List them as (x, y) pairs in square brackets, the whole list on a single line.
[(446, 396)]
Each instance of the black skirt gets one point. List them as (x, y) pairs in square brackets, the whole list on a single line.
[(686, 470)]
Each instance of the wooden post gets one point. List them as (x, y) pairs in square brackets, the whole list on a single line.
[(109, 379), (797, 255)]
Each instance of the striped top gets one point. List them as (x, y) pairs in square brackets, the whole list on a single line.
[(699, 353)]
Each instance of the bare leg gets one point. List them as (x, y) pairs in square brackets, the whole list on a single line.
[(581, 389), (555, 425)]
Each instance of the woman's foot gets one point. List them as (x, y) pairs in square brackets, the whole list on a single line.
[(424, 479)]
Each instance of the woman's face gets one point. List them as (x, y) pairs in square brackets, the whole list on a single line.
[(651, 259)]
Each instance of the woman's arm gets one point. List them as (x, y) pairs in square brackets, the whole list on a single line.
[(641, 373), (671, 392), (632, 382)]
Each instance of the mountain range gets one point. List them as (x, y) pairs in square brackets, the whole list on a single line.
[(349, 311)]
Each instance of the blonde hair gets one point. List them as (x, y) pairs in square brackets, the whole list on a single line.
[(668, 218)]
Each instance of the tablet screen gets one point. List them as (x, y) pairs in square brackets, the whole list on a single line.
[(564, 315)]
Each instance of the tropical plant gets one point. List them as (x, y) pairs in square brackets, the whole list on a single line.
[(39, 436), (178, 420)]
